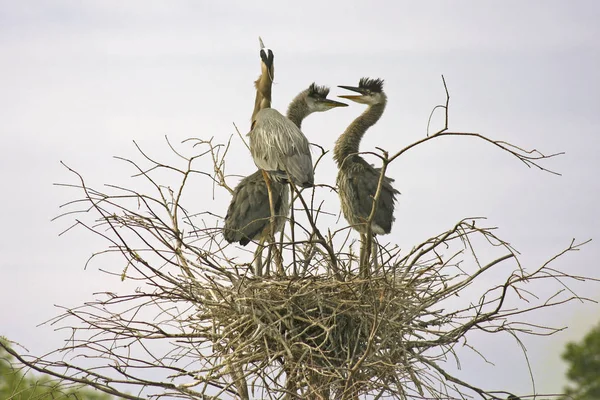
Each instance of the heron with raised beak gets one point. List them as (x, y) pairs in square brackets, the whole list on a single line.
[(253, 206)]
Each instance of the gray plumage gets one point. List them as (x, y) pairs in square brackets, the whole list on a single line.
[(277, 144), (280, 148), (357, 180), (248, 215)]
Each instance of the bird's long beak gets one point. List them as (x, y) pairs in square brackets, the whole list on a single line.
[(353, 88), (267, 57), (333, 103), (355, 98), (351, 97)]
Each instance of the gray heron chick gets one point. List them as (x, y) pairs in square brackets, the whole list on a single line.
[(248, 215), (357, 180)]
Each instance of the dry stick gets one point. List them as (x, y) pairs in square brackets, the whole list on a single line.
[(219, 166), (175, 222), (529, 158), (241, 137)]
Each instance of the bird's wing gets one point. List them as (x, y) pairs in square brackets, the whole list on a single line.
[(277, 144), (249, 212), (365, 181), (300, 168)]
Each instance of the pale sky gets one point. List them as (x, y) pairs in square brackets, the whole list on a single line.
[(80, 80)]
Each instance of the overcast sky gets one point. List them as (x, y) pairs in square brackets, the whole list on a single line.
[(80, 80)]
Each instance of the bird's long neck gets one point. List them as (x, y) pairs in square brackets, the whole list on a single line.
[(349, 142), (263, 90), (298, 109)]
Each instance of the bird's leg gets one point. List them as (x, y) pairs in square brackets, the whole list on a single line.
[(361, 259), (269, 258), (292, 230), (374, 254), (258, 265), (272, 247), (365, 253), (273, 253)]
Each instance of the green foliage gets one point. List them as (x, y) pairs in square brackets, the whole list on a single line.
[(15, 385), (584, 368)]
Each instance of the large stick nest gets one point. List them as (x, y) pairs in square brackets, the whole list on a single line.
[(369, 333), (319, 322)]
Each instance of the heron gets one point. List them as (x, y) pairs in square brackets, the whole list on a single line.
[(357, 180), (248, 215)]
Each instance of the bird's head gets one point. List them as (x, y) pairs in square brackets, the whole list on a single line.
[(371, 91), (267, 58), (317, 101)]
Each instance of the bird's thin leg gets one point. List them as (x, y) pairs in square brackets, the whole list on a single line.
[(292, 230), (269, 258), (258, 265), (374, 254), (366, 250), (363, 252), (369, 242), (272, 247)]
